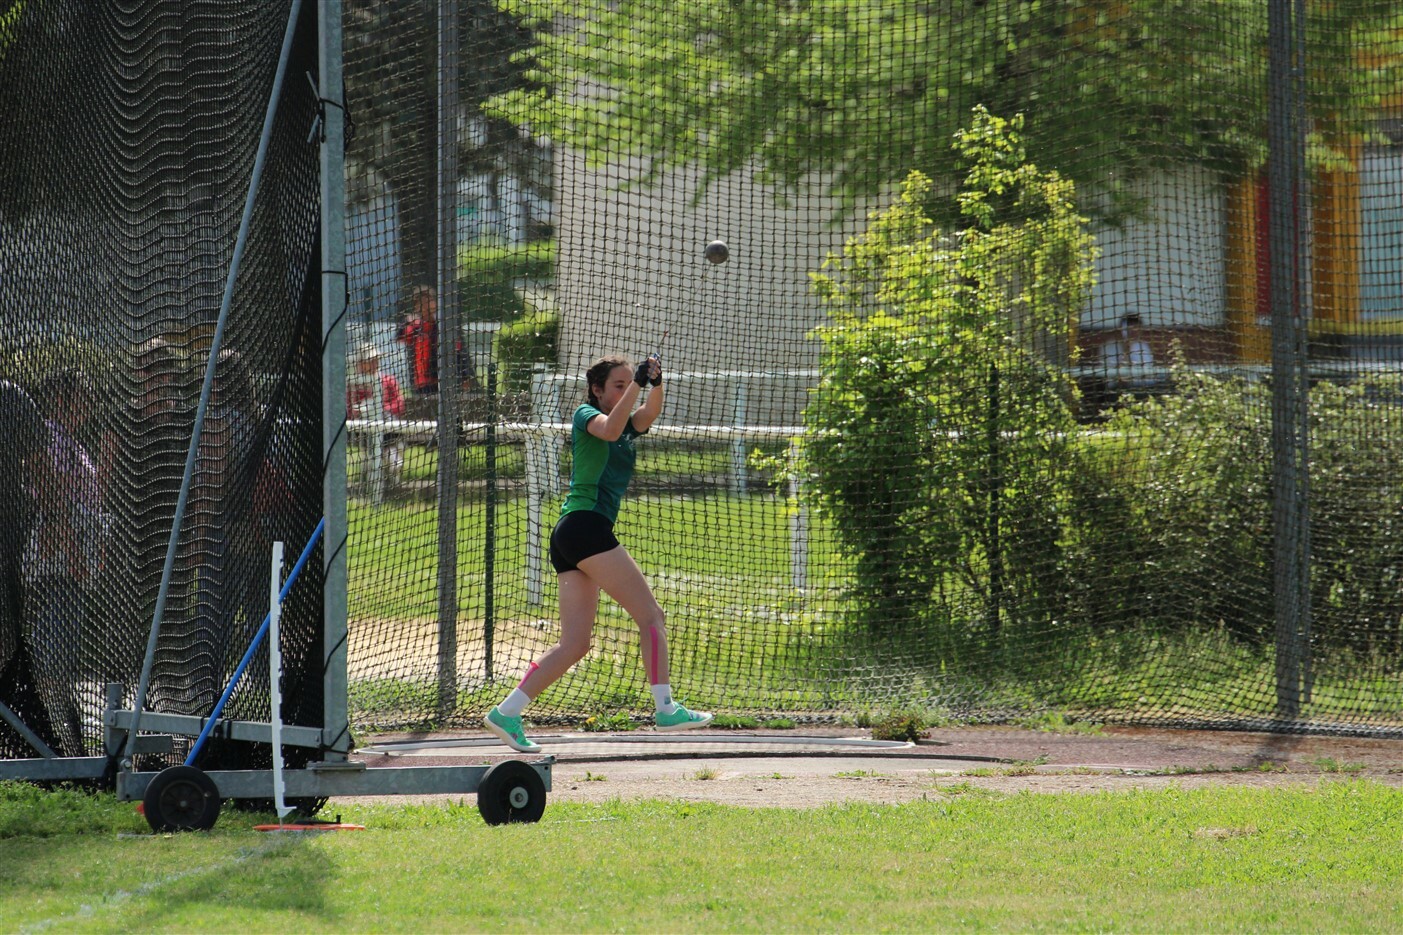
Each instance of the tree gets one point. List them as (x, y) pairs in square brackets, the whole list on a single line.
[(938, 436), (867, 91), (391, 52)]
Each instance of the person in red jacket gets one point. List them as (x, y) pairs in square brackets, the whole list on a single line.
[(419, 335)]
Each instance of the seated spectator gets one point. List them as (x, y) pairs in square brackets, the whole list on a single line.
[(1127, 358)]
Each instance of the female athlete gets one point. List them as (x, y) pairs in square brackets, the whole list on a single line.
[(589, 559)]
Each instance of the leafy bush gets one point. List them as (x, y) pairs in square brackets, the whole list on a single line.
[(488, 273), (901, 727), (1173, 513), (1356, 459), (939, 431), (522, 343)]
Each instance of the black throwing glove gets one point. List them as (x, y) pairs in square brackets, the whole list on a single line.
[(640, 376)]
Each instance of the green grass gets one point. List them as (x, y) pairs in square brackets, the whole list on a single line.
[(1226, 859), (744, 639), (657, 462), (719, 565)]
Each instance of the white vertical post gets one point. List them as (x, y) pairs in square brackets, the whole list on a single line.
[(275, 675), (738, 453), (536, 441), (798, 524), (542, 468), (336, 732)]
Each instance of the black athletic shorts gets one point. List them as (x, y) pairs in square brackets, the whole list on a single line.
[(579, 535)]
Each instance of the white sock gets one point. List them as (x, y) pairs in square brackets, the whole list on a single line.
[(514, 704), (662, 698)]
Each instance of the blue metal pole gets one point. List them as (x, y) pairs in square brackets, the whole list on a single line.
[(253, 646)]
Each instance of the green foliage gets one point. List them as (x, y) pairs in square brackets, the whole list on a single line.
[(9, 21), (488, 273), (939, 429), (903, 726), (1173, 511), (1058, 722), (1174, 523), (28, 810), (608, 723), (506, 261), (33, 361), (734, 722), (1112, 91), (529, 340)]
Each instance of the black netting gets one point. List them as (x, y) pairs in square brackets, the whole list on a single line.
[(130, 135), (1053, 364), (1023, 443)]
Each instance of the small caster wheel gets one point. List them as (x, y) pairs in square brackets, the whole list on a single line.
[(511, 791), (181, 798)]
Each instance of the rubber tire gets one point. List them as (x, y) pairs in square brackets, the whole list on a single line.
[(181, 798), (511, 792)]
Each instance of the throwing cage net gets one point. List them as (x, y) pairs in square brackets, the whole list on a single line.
[(1051, 367), (1096, 415), (130, 135)]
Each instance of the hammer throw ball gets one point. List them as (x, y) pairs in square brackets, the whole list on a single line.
[(717, 251)]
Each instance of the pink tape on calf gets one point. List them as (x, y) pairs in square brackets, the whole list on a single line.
[(653, 653), (529, 670)]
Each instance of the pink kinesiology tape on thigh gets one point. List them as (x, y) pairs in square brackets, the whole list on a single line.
[(529, 669)]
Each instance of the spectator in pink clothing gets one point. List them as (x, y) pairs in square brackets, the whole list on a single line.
[(373, 397), (360, 388)]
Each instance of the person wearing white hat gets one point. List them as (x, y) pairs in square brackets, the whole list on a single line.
[(365, 403)]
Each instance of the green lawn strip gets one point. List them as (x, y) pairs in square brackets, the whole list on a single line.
[(1308, 858), (744, 639)]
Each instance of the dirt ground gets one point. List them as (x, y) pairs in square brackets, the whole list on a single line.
[(818, 766)]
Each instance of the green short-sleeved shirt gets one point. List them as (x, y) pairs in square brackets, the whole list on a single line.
[(602, 469)]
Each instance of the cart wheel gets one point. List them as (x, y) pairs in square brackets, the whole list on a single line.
[(181, 798), (510, 792)]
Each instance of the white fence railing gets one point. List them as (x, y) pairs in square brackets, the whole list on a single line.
[(542, 442)]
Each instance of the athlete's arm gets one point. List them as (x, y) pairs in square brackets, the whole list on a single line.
[(610, 427), (648, 413)]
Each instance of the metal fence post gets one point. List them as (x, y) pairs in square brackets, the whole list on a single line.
[(449, 334), (1289, 352)]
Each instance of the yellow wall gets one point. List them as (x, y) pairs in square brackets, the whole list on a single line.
[(1251, 342), (1335, 244)]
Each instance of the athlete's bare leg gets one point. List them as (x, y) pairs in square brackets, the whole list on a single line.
[(618, 575), (579, 603)]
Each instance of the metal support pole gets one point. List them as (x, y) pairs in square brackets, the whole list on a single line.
[(1289, 357), (336, 729), (449, 333)]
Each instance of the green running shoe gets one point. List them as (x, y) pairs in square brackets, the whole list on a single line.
[(681, 719), (510, 731)]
